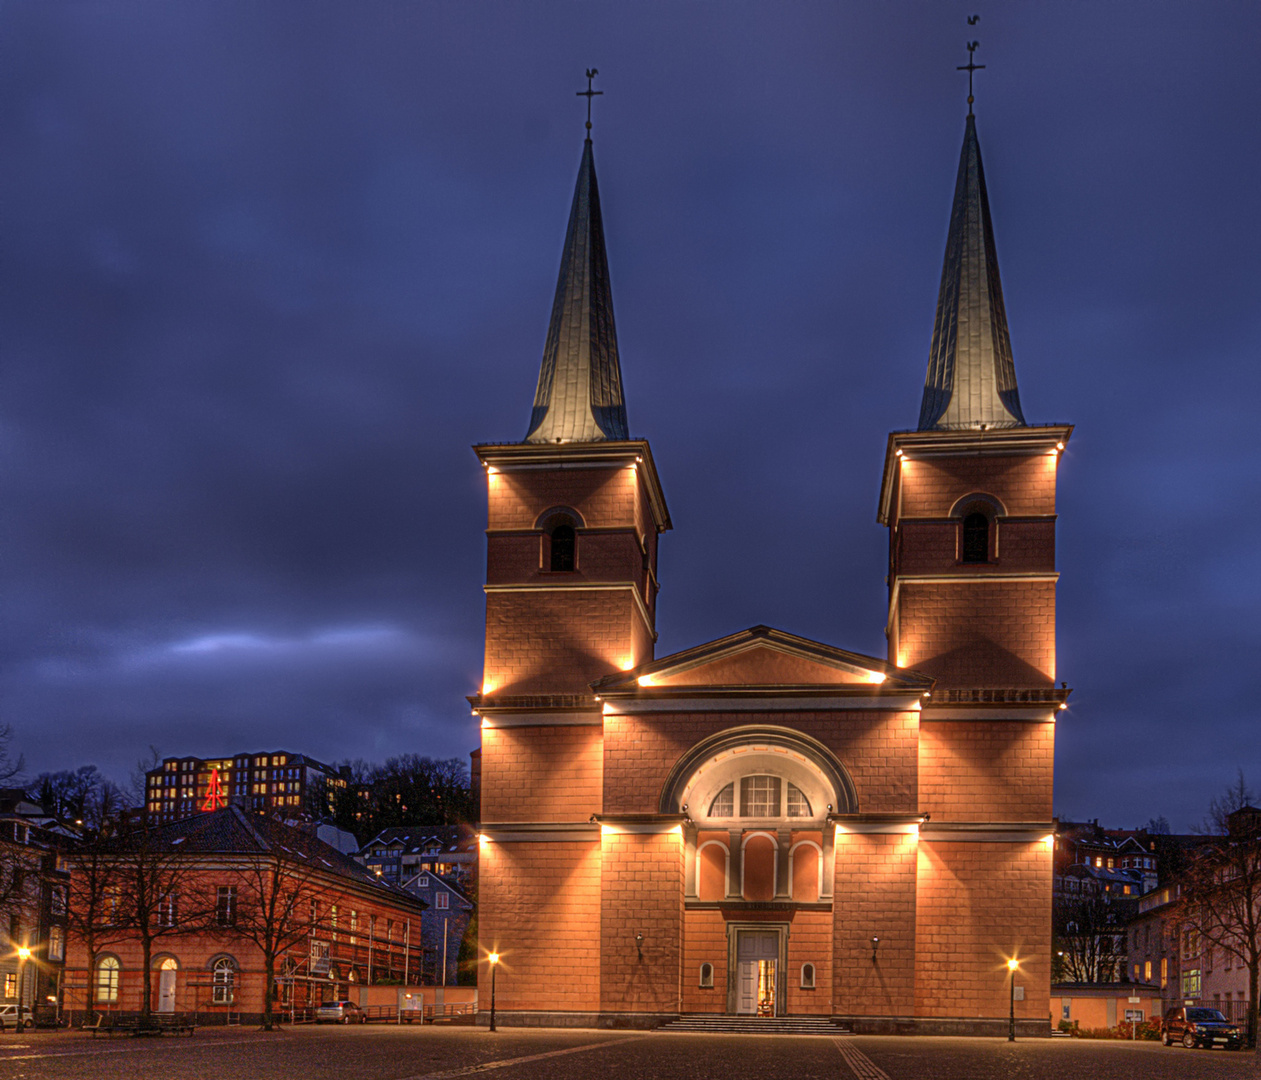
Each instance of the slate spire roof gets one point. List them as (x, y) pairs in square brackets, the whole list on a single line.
[(579, 396), (971, 381)]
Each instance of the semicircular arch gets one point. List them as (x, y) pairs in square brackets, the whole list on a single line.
[(778, 742)]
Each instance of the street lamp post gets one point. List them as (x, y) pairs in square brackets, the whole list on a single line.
[(494, 963), (1011, 1015), (24, 954)]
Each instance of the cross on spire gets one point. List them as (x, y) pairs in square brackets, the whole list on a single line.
[(971, 65), (588, 93)]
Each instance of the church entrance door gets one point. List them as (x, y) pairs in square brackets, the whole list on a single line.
[(757, 960)]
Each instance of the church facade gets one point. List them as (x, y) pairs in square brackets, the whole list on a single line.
[(766, 825)]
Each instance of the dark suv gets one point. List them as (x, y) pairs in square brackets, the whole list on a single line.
[(1199, 1027)]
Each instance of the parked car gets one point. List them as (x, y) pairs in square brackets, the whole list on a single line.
[(13, 1017), (1199, 1027), (340, 1012)]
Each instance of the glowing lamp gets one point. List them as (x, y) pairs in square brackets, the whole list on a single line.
[(1013, 964), (644, 680), (24, 953), (493, 958)]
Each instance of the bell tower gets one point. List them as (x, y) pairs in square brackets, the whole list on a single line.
[(575, 510), (574, 516), (969, 497), (969, 501)]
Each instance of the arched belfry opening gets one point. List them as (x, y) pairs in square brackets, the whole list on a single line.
[(560, 527), (977, 515)]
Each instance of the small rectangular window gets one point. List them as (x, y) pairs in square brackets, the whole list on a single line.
[(225, 905), (442, 901)]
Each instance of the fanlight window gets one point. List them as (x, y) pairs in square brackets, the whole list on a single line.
[(724, 804), (107, 970), (761, 797)]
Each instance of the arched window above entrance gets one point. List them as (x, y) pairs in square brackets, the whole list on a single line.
[(763, 797), (758, 775)]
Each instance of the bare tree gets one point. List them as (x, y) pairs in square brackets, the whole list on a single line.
[(1222, 885), (159, 895), (275, 895), (137, 791), (94, 913), (1087, 938), (10, 767)]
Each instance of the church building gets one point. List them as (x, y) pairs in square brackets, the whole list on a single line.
[(766, 825)]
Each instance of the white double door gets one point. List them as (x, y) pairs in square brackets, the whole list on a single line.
[(757, 959)]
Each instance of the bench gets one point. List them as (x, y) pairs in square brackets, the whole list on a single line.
[(157, 1024)]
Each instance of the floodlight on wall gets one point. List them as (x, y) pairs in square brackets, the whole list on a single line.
[(639, 945), (875, 944)]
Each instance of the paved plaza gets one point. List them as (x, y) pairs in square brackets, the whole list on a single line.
[(391, 1053)]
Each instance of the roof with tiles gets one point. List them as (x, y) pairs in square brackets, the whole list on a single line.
[(416, 838), (231, 831)]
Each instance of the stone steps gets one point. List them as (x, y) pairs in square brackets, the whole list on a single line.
[(723, 1023)]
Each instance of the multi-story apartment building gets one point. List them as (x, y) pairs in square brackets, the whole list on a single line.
[(397, 854), (34, 879), (276, 781)]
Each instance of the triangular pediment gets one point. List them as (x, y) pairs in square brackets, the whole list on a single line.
[(769, 659)]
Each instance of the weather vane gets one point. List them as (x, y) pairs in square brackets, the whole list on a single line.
[(588, 93), (969, 67)]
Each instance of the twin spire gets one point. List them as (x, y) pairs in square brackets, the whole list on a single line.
[(579, 396), (971, 381)]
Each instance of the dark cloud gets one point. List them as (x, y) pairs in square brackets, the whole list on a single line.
[(267, 270)]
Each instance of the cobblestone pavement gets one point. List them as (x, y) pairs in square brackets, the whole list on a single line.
[(391, 1053)]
